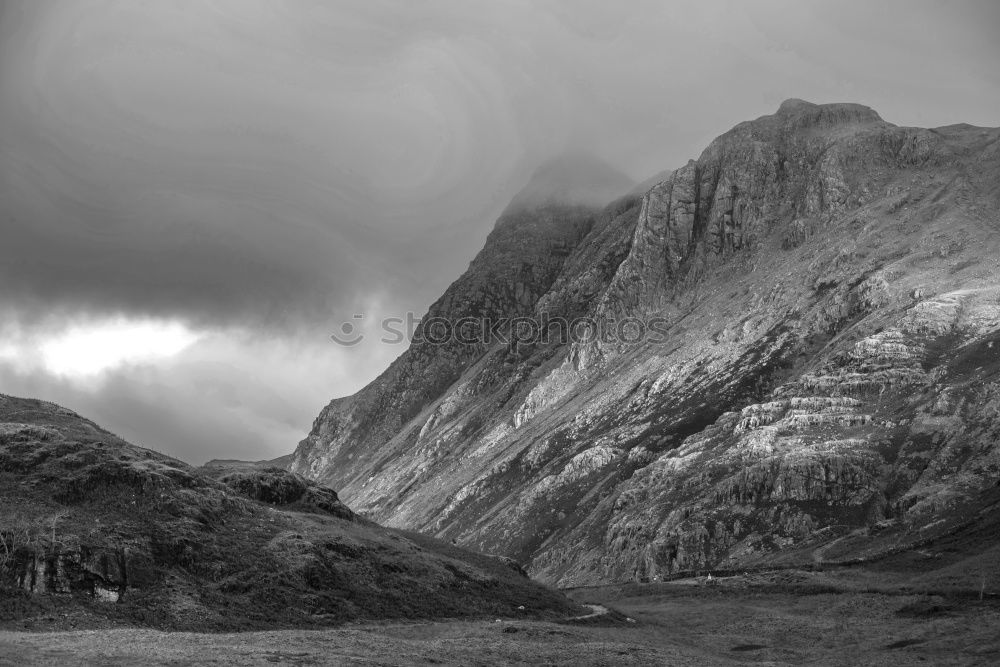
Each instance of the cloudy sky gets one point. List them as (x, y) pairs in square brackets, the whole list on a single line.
[(195, 193)]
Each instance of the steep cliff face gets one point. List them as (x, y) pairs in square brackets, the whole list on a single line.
[(523, 256), (817, 380)]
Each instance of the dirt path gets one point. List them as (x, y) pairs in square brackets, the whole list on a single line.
[(595, 611)]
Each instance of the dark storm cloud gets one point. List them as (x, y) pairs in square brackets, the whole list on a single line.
[(235, 160), (232, 161), (274, 167)]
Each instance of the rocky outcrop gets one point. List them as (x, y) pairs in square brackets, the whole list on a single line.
[(815, 374), (284, 489), (102, 575)]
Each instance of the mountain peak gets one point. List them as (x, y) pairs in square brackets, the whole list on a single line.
[(793, 104), (801, 112), (573, 179)]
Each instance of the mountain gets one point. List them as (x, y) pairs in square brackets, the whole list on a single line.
[(808, 372), (89, 519)]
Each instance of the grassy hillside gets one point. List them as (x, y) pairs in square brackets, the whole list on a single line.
[(97, 530)]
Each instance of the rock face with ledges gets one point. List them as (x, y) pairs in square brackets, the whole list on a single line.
[(821, 379)]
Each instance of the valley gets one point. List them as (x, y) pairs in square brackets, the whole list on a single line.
[(789, 618), (802, 466)]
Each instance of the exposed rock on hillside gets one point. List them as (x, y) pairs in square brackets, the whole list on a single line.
[(823, 385)]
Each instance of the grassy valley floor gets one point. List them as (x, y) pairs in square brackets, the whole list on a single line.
[(787, 618)]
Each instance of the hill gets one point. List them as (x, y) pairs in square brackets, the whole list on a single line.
[(98, 532)]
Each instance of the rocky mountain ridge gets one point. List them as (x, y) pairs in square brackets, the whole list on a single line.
[(823, 386)]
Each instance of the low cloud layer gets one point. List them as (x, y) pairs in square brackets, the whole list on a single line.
[(258, 171)]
